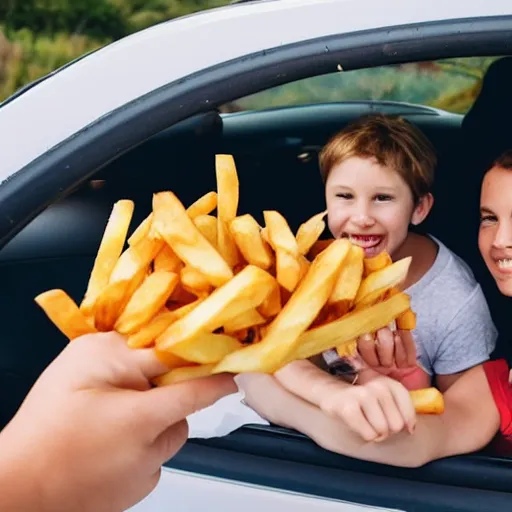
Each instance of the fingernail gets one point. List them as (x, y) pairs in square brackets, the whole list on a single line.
[(367, 337), (240, 380)]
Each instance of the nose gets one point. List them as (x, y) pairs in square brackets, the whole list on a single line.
[(361, 215), (503, 238)]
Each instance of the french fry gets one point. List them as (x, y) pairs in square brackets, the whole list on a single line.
[(310, 231), (180, 374), (64, 313), (203, 206), (318, 247), (206, 348), (167, 260), (147, 334), (282, 240), (194, 282), (186, 240), (427, 401), (382, 260), (247, 235), (146, 301), (248, 319), (227, 189), (381, 281), (207, 225), (349, 280), (299, 312), (406, 321), (246, 290), (110, 249)]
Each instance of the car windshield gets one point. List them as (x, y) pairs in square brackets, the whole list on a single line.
[(450, 85)]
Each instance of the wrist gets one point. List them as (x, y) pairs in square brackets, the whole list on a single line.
[(22, 474)]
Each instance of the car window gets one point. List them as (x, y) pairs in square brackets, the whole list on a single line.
[(450, 84)]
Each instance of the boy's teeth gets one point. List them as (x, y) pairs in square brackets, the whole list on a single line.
[(505, 263)]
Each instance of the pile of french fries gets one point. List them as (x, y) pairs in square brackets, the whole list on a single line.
[(220, 293)]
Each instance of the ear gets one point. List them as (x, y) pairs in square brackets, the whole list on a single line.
[(422, 209)]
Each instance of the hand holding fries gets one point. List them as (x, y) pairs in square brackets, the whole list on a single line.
[(104, 415), (224, 294)]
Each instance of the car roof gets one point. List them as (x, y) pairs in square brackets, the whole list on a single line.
[(125, 70)]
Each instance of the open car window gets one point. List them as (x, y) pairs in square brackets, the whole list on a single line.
[(447, 84)]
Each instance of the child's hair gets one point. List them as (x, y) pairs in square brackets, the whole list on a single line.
[(504, 160), (393, 142)]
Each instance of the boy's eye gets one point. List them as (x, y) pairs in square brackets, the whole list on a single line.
[(344, 195), (488, 219), (383, 197)]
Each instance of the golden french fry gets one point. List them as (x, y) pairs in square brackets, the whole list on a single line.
[(227, 207), (147, 334), (207, 225), (184, 373), (110, 249), (348, 349), (247, 235), (181, 311), (349, 278), (142, 231), (351, 326), (248, 319), (203, 206), (296, 316), (170, 360), (206, 348), (249, 287), (272, 304), (167, 260), (381, 281), (280, 235), (62, 310), (194, 282), (128, 274), (288, 270), (318, 247), (146, 301), (427, 401), (310, 231), (178, 230), (382, 260), (406, 321)]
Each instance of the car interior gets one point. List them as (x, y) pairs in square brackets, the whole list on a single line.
[(275, 151)]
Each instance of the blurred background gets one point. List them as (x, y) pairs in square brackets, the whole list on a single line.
[(39, 36)]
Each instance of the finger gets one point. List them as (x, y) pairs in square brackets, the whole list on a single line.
[(372, 410), (400, 353), (150, 363), (395, 422), (385, 346), (304, 379), (170, 441), (409, 347), (164, 406), (352, 415), (405, 406), (368, 351)]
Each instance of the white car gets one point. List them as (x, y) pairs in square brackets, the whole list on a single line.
[(267, 81)]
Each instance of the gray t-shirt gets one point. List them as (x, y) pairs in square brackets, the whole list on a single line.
[(454, 329)]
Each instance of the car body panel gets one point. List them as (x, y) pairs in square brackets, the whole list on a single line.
[(71, 99)]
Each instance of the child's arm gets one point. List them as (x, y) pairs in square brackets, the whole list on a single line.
[(306, 399)]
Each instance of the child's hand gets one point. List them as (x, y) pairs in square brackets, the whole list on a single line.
[(393, 355), (374, 410), (92, 433)]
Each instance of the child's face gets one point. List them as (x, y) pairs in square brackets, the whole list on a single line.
[(495, 234), (371, 205)]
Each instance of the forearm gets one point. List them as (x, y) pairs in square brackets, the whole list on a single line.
[(19, 483)]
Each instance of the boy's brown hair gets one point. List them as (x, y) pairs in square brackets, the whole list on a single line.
[(393, 142), (504, 160)]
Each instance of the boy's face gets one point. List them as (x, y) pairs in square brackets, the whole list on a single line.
[(369, 204), (495, 234)]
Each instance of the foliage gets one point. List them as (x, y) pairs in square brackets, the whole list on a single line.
[(39, 36)]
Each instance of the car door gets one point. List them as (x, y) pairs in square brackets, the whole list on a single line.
[(106, 110)]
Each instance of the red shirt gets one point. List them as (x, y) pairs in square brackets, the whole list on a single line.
[(497, 373)]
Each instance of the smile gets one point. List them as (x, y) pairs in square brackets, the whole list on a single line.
[(364, 241)]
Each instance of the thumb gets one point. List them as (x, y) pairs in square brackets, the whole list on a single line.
[(167, 405)]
